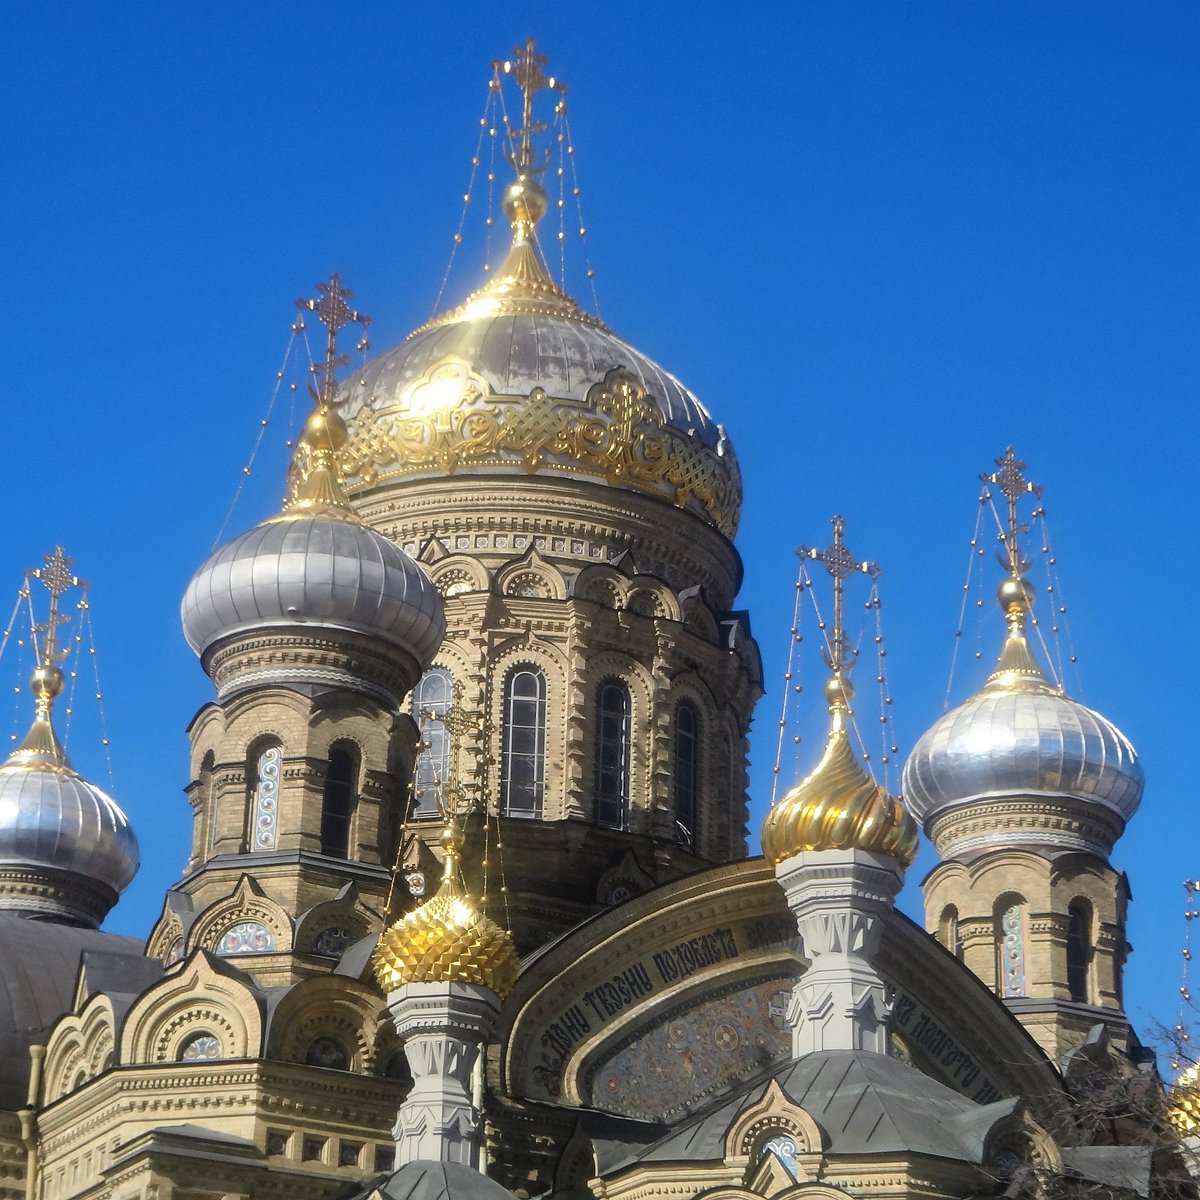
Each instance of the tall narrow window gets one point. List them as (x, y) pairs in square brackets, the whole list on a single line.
[(1010, 947), (687, 772), (205, 832), (948, 931), (264, 808), (341, 778), (613, 751), (431, 699), (1079, 950), (523, 763)]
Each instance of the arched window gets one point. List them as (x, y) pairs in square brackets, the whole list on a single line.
[(200, 1047), (206, 824), (431, 698), (1079, 950), (327, 1052), (687, 773), (337, 806), (1010, 946), (948, 931), (263, 768), (613, 752), (523, 757)]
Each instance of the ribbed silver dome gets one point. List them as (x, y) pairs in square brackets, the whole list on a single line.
[(314, 571), (1021, 737), (51, 818)]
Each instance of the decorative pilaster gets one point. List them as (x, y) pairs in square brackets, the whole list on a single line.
[(442, 1026), (839, 899)]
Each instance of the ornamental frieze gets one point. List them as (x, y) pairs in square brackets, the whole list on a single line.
[(451, 419)]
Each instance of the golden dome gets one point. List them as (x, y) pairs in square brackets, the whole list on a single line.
[(446, 940), (1183, 1108), (838, 806)]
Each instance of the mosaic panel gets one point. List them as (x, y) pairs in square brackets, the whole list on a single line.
[(784, 1149), (201, 1048), (246, 937), (266, 798), (696, 1051)]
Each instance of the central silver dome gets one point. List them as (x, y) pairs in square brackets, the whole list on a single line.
[(519, 379), (517, 352)]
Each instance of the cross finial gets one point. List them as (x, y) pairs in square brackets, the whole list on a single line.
[(56, 578), (527, 67), (1010, 479), (840, 564), (335, 314)]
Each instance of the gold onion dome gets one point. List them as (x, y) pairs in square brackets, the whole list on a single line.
[(1021, 736), (838, 806), (1183, 1102), (447, 939)]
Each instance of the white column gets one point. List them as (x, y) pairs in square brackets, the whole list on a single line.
[(442, 1026), (839, 898)]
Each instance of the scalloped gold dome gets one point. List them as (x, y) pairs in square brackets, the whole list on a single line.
[(1183, 1108), (446, 940), (838, 806)]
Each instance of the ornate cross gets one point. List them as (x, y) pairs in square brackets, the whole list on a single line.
[(56, 578), (459, 724), (526, 67), (1010, 479), (840, 564), (335, 314)]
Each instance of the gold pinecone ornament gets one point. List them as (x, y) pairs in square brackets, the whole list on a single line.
[(447, 939)]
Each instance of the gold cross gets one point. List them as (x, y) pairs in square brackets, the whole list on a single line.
[(56, 578), (526, 67), (1011, 481), (459, 724), (335, 314), (840, 564)]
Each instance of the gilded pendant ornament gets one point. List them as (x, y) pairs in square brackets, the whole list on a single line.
[(451, 420)]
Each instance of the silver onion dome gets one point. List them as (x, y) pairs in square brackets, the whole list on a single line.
[(56, 819), (314, 571), (66, 849), (1021, 737)]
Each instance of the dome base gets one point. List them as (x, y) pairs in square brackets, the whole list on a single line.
[(1042, 824), (44, 894), (291, 656)]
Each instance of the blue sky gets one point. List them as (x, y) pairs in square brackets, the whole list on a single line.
[(879, 241)]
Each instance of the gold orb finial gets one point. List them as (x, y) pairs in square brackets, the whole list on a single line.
[(1015, 595), (324, 432), (46, 682)]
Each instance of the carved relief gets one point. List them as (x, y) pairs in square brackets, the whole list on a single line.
[(450, 420)]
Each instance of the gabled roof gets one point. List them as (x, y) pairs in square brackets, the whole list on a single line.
[(426, 1180), (864, 1103)]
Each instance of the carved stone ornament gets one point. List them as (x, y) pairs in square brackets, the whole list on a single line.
[(450, 420)]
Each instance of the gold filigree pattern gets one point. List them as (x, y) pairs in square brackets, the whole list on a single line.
[(450, 420)]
